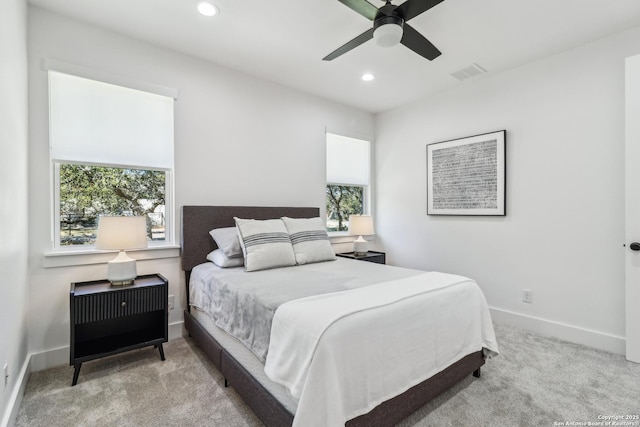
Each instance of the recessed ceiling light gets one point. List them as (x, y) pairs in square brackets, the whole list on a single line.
[(367, 77), (207, 9)]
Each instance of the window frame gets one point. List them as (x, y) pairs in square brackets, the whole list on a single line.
[(367, 197), (59, 255)]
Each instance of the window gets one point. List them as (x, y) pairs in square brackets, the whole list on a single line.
[(348, 172), (111, 154)]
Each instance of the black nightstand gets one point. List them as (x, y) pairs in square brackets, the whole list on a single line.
[(107, 319), (371, 256)]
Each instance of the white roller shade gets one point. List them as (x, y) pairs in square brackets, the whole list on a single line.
[(96, 122), (348, 160)]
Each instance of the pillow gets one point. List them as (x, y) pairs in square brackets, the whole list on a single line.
[(309, 239), (221, 260), (227, 240), (265, 244)]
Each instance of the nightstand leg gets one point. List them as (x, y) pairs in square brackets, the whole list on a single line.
[(159, 347), (76, 372)]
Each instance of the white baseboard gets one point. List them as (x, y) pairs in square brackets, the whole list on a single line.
[(49, 358), (13, 406), (574, 334), (177, 330)]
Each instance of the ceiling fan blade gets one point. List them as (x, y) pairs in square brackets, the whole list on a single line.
[(368, 35), (412, 8), (363, 7), (418, 43)]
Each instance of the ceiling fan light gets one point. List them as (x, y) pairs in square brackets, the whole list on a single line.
[(388, 35), (207, 9)]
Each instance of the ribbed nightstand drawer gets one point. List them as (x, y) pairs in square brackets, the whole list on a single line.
[(110, 305)]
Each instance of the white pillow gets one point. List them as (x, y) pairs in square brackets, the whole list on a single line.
[(227, 240), (265, 244), (309, 239), (221, 260)]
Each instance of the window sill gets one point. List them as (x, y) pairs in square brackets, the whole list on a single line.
[(341, 237), (92, 256), (344, 237)]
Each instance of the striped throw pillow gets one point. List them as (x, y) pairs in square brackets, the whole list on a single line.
[(265, 244), (310, 240)]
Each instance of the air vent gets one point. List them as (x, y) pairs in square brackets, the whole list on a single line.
[(468, 72)]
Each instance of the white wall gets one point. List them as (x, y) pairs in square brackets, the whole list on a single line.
[(13, 199), (238, 140), (563, 234)]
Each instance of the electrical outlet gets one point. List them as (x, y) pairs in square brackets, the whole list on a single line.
[(171, 302), (527, 296), (6, 375)]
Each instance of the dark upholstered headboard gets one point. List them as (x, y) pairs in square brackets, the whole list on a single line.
[(197, 221)]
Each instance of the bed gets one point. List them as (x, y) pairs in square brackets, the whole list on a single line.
[(240, 367)]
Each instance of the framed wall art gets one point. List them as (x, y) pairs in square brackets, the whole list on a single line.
[(467, 176)]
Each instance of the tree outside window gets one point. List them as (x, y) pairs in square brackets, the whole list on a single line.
[(86, 192), (342, 201)]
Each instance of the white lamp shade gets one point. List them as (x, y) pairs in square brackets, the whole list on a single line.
[(388, 35), (122, 232), (360, 225)]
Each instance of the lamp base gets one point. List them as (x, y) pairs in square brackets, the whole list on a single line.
[(121, 270), (360, 246)]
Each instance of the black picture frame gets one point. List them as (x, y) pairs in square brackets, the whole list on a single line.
[(467, 176)]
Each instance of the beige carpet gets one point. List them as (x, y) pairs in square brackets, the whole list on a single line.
[(536, 381)]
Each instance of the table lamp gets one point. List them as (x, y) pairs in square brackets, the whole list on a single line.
[(122, 233), (360, 225)]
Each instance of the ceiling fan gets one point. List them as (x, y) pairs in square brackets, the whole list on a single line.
[(390, 27)]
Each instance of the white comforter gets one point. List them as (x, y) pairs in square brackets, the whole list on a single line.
[(342, 354)]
